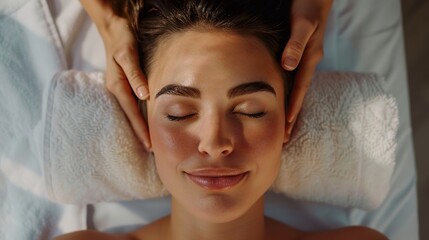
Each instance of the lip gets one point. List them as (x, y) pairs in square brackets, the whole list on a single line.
[(217, 179)]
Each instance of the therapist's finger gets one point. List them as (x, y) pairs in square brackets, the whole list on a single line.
[(118, 85), (302, 30), (128, 60), (302, 83), (130, 106), (288, 130)]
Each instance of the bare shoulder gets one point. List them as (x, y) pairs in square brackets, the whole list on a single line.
[(150, 231), (91, 235), (277, 230), (349, 233)]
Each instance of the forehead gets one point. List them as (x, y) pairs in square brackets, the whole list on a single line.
[(196, 57)]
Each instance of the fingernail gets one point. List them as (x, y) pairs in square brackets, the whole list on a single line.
[(290, 130), (289, 127), (291, 118), (287, 138), (147, 145), (143, 93), (290, 63)]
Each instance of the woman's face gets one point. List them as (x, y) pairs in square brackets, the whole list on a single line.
[(217, 121)]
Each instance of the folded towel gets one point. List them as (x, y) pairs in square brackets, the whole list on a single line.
[(342, 151)]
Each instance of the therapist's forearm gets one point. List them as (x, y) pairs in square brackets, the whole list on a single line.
[(101, 13)]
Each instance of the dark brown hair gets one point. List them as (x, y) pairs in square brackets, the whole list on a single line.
[(153, 20)]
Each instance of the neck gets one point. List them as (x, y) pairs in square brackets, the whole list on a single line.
[(249, 226)]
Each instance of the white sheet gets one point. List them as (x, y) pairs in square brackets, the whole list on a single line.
[(362, 35), (30, 53)]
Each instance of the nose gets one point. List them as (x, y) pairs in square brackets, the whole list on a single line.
[(216, 140)]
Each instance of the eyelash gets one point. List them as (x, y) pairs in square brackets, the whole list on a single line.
[(251, 115), (176, 118)]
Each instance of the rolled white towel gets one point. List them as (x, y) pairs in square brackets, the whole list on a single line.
[(342, 151)]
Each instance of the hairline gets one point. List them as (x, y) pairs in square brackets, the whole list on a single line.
[(202, 27)]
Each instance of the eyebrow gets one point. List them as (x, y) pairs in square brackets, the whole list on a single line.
[(179, 90), (248, 88), (242, 89)]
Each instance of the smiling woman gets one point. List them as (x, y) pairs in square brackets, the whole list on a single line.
[(219, 110), (217, 119)]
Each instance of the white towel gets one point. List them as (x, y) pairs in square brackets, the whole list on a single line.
[(30, 54), (342, 151)]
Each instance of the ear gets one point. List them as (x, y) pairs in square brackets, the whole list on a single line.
[(288, 130), (142, 105), (286, 138), (149, 149)]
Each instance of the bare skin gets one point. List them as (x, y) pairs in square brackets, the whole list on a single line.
[(275, 230)]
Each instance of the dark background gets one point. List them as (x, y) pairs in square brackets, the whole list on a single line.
[(415, 15)]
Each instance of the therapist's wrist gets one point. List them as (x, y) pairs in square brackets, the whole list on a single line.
[(103, 14), (109, 27)]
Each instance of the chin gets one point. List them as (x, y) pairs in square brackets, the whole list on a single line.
[(219, 208)]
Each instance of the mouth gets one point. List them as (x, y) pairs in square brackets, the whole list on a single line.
[(216, 178)]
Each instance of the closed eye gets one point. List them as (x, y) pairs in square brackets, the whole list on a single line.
[(253, 115), (179, 118)]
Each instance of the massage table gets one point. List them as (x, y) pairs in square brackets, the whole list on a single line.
[(39, 38)]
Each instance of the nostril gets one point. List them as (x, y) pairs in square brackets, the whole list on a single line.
[(215, 140), (215, 150), (226, 152)]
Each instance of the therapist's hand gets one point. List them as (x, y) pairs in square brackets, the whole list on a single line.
[(122, 71), (122, 66), (304, 49)]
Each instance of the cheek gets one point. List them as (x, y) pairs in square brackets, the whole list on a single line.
[(171, 144), (267, 134), (164, 138), (266, 144)]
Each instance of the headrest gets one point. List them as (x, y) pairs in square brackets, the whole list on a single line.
[(342, 150)]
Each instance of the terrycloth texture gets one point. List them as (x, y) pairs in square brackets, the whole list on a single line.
[(90, 152), (342, 151)]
